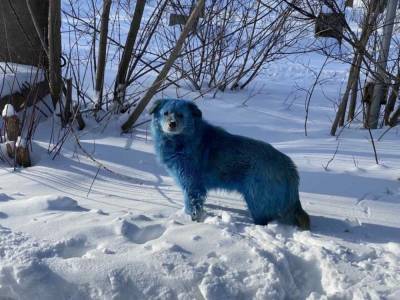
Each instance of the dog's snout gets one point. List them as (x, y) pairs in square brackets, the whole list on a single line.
[(172, 124)]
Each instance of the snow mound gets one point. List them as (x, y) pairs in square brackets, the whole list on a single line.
[(139, 235), (24, 273), (59, 203), (174, 258), (4, 197), (41, 204)]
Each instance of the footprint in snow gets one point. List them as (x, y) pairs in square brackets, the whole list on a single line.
[(140, 235), (141, 218), (63, 203), (72, 247), (5, 197)]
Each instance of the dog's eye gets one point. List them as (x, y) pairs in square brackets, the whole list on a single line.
[(179, 115), (166, 113)]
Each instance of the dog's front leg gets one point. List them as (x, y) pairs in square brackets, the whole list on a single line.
[(194, 201), (193, 189), (197, 210)]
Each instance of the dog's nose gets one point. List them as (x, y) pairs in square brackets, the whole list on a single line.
[(172, 124)]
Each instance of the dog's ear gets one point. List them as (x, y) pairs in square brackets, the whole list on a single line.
[(196, 112), (156, 106)]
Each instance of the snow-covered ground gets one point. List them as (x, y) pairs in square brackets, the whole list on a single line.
[(66, 233)]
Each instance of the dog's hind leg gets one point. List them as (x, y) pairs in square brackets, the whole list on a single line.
[(302, 219), (297, 214), (258, 206)]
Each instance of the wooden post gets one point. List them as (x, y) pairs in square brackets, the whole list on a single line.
[(22, 153), (11, 123), (16, 147)]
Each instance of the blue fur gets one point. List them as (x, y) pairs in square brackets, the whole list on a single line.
[(205, 157)]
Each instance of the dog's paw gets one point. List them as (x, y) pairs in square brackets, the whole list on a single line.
[(198, 214)]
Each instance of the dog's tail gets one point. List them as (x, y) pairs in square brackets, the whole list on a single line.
[(302, 218)]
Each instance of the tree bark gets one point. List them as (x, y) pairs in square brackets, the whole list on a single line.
[(168, 64), (22, 156), (391, 101), (54, 37), (101, 62), (370, 20), (340, 114), (78, 117), (68, 102), (381, 79), (354, 94), (120, 86), (394, 119)]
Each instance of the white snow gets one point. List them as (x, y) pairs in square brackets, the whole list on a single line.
[(21, 142), (8, 111), (14, 76), (64, 235)]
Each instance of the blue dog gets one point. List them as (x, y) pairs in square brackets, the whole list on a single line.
[(202, 157)]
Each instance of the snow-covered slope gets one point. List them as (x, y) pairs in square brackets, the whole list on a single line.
[(64, 235)]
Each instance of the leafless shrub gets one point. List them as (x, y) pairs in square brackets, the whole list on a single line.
[(362, 50), (232, 42)]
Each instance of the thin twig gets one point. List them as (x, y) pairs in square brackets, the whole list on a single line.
[(373, 146), (97, 173), (333, 157)]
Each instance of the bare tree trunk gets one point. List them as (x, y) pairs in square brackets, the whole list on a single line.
[(355, 73), (78, 117), (168, 64), (119, 90), (101, 63), (138, 57), (381, 79), (54, 37), (68, 101), (343, 104), (394, 119), (351, 84), (370, 19), (354, 94), (392, 101)]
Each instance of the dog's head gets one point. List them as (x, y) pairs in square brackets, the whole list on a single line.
[(175, 116)]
